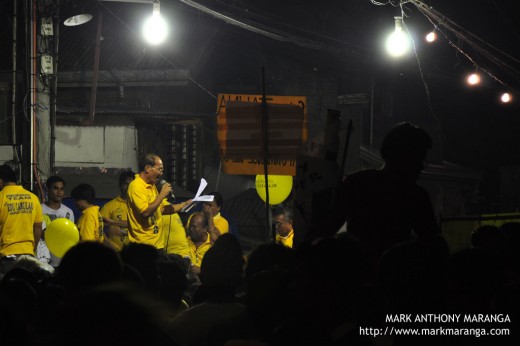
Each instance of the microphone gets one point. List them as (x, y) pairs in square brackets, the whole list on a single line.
[(161, 183)]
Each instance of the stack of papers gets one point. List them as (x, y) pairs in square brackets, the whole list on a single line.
[(198, 198)]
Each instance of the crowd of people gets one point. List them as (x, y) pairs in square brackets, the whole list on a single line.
[(139, 276)]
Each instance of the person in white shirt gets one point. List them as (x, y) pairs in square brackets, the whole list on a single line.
[(54, 208)]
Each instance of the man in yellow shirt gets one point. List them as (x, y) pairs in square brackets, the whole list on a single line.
[(199, 239), (212, 209), (115, 214), (146, 205), (90, 223), (283, 224), (20, 220)]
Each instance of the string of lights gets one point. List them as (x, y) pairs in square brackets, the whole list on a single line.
[(482, 55)]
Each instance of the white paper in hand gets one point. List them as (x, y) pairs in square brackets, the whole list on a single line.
[(198, 198)]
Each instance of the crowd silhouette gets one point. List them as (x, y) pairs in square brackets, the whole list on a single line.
[(329, 290)]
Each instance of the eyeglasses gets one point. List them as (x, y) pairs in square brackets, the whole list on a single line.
[(160, 168), (279, 223), (193, 226)]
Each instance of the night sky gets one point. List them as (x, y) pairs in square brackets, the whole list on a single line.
[(479, 131)]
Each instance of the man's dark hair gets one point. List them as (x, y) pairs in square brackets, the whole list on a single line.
[(7, 174), (286, 212), (147, 160), (84, 192), (405, 140), (54, 179), (217, 198), (126, 175)]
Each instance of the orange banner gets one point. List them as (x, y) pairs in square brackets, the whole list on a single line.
[(231, 163)]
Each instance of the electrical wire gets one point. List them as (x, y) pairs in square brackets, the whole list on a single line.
[(427, 91), (481, 47)]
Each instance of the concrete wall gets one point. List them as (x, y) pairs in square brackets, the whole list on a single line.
[(6, 153), (96, 146)]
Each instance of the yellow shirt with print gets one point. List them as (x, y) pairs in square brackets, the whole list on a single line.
[(116, 209), (197, 253), (90, 225), (146, 230), (19, 211), (175, 236)]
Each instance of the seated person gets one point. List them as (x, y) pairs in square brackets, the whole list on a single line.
[(283, 224), (199, 239), (213, 209), (90, 223)]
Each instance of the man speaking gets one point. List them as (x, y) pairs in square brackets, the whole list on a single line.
[(146, 205)]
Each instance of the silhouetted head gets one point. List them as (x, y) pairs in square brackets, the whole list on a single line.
[(489, 238), (404, 150), (145, 259), (222, 265), (268, 257), (7, 175), (89, 264)]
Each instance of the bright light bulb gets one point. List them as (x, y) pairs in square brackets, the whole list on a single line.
[(431, 37), (474, 79), (398, 43), (155, 29), (506, 98)]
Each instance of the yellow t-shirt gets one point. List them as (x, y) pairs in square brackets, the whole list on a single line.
[(175, 236), (116, 209), (221, 223), (197, 253), (286, 241), (90, 225), (19, 211), (146, 230)]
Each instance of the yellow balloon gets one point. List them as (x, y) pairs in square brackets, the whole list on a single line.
[(60, 236), (280, 187)]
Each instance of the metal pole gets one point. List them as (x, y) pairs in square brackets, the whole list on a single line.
[(32, 99), (265, 130), (13, 99), (93, 91)]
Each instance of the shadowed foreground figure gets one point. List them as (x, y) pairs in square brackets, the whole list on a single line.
[(220, 274), (89, 264), (111, 314), (383, 207)]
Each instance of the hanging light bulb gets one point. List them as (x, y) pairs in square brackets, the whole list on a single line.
[(506, 98), (155, 28), (431, 37), (398, 43), (473, 79)]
